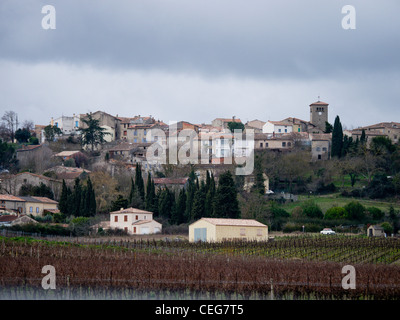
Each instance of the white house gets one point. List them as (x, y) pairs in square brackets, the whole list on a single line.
[(277, 127), (134, 221), (68, 125)]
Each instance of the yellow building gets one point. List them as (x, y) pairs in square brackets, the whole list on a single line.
[(218, 229)]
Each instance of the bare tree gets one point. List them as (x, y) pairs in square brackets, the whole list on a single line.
[(10, 121), (28, 125)]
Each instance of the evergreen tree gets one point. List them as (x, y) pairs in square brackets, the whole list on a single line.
[(179, 213), (363, 139), (226, 204), (119, 203), (337, 138), (90, 199), (76, 198), (328, 127), (92, 134), (131, 193), (166, 203), (139, 183), (208, 203), (259, 186), (191, 190), (199, 199), (150, 193), (63, 204)]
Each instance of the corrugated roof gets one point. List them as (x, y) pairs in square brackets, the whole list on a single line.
[(234, 222)]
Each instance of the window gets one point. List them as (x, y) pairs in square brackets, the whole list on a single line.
[(259, 232), (318, 148), (135, 140), (76, 124), (115, 218), (319, 157), (283, 144), (279, 130), (289, 144), (298, 130), (242, 231), (37, 209), (266, 144), (30, 209), (136, 217), (261, 144), (125, 218), (134, 229), (135, 132), (126, 229), (285, 130), (324, 149)]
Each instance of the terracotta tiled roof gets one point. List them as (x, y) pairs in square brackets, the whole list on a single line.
[(319, 103), (8, 218), (132, 211), (9, 197), (234, 222)]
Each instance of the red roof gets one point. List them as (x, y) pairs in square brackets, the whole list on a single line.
[(319, 103)]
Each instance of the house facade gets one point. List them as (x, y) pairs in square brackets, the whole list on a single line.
[(134, 221), (35, 206), (218, 229)]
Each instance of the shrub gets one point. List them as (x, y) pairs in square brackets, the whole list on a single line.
[(355, 210), (376, 213), (335, 213), (312, 210), (387, 227)]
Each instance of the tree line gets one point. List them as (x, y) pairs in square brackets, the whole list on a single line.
[(196, 200), (80, 201)]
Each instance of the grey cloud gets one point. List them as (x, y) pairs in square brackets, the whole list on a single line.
[(248, 38)]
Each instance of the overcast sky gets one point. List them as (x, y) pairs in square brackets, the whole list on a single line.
[(196, 60)]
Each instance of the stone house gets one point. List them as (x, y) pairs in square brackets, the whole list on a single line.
[(263, 141), (107, 121), (13, 183), (321, 146), (12, 220), (27, 205), (223, 122), (375, 231), (386, 129)]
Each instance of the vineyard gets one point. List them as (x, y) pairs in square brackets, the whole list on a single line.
[(292, 268)]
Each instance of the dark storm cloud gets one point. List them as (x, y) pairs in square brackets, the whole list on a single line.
[(301, 39)]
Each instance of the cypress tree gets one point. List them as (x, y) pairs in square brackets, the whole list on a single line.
[(139, 183), (363, 139), (226, 204), (337, 138), (150, 193), (90, 199), (179, 216), (208, 204), (191, 189), (130, 198), (76, 198), (63, 205), (199, 198)]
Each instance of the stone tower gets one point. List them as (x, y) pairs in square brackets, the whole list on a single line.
[(319, 114)]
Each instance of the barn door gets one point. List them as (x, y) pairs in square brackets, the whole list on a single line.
[(200, 234)]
